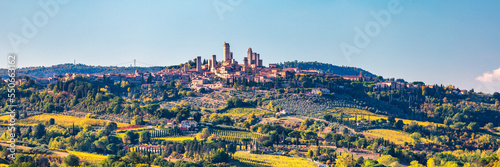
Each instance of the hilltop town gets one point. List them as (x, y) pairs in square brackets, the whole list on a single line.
[(202, 74)]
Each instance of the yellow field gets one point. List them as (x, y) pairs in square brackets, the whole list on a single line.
[(237, 112), (178, 138), (271, 160), (398, 137), (4, 118), (94, 158), (64, 120), (372, 116)]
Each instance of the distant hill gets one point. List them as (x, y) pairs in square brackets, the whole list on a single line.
[(62, 69), (339, 70)]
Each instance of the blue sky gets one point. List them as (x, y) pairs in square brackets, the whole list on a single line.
[(438, 42)]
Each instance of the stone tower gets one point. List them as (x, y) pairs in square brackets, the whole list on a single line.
[(227, 52), (198, 64)]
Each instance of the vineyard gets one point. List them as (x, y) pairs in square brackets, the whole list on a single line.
[(397, 137), (176, 139), (90, 157), (259, 160), (311, 106), (234, 136), (238, 112)]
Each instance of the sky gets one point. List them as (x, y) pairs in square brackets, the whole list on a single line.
[(437, 42)]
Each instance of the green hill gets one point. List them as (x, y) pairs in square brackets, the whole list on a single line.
[(339, 70), (62, 69)]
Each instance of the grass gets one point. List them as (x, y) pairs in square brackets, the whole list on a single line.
[(238, 112), (372, 116), (90, 157), (64, 120), (177, 139), (247, 159), (397, 137)]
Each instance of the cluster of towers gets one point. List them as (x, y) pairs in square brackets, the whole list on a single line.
[(252, 58), (251, 61)]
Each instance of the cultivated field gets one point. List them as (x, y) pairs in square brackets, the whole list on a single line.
[(234, 136), (64, 120), (372, 116), (398, 137), (237, 112), (177, 138), (247, 159), (90, 157)]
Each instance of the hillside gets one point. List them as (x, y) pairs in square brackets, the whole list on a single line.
[(325, 67), (62, 69)]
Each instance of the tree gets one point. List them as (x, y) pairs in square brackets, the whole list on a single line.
[(39, 130), (399, 124), (144, 137), (129, 137), (360, 161), (71, 160), (328, 117), (489, 125), (197, 116), (220, 156), (345, 160), (310, 153), (458, 125), (111, 126), (431, 163), (52, 121), (387, 160), (234, 102), (415, 164), (113, 148), (496, 95), (391, 120), (137, 120), (448, 121), (415, 138), (204, 134), (497, 104), (450, 164), (473, 126), (42, 161)]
